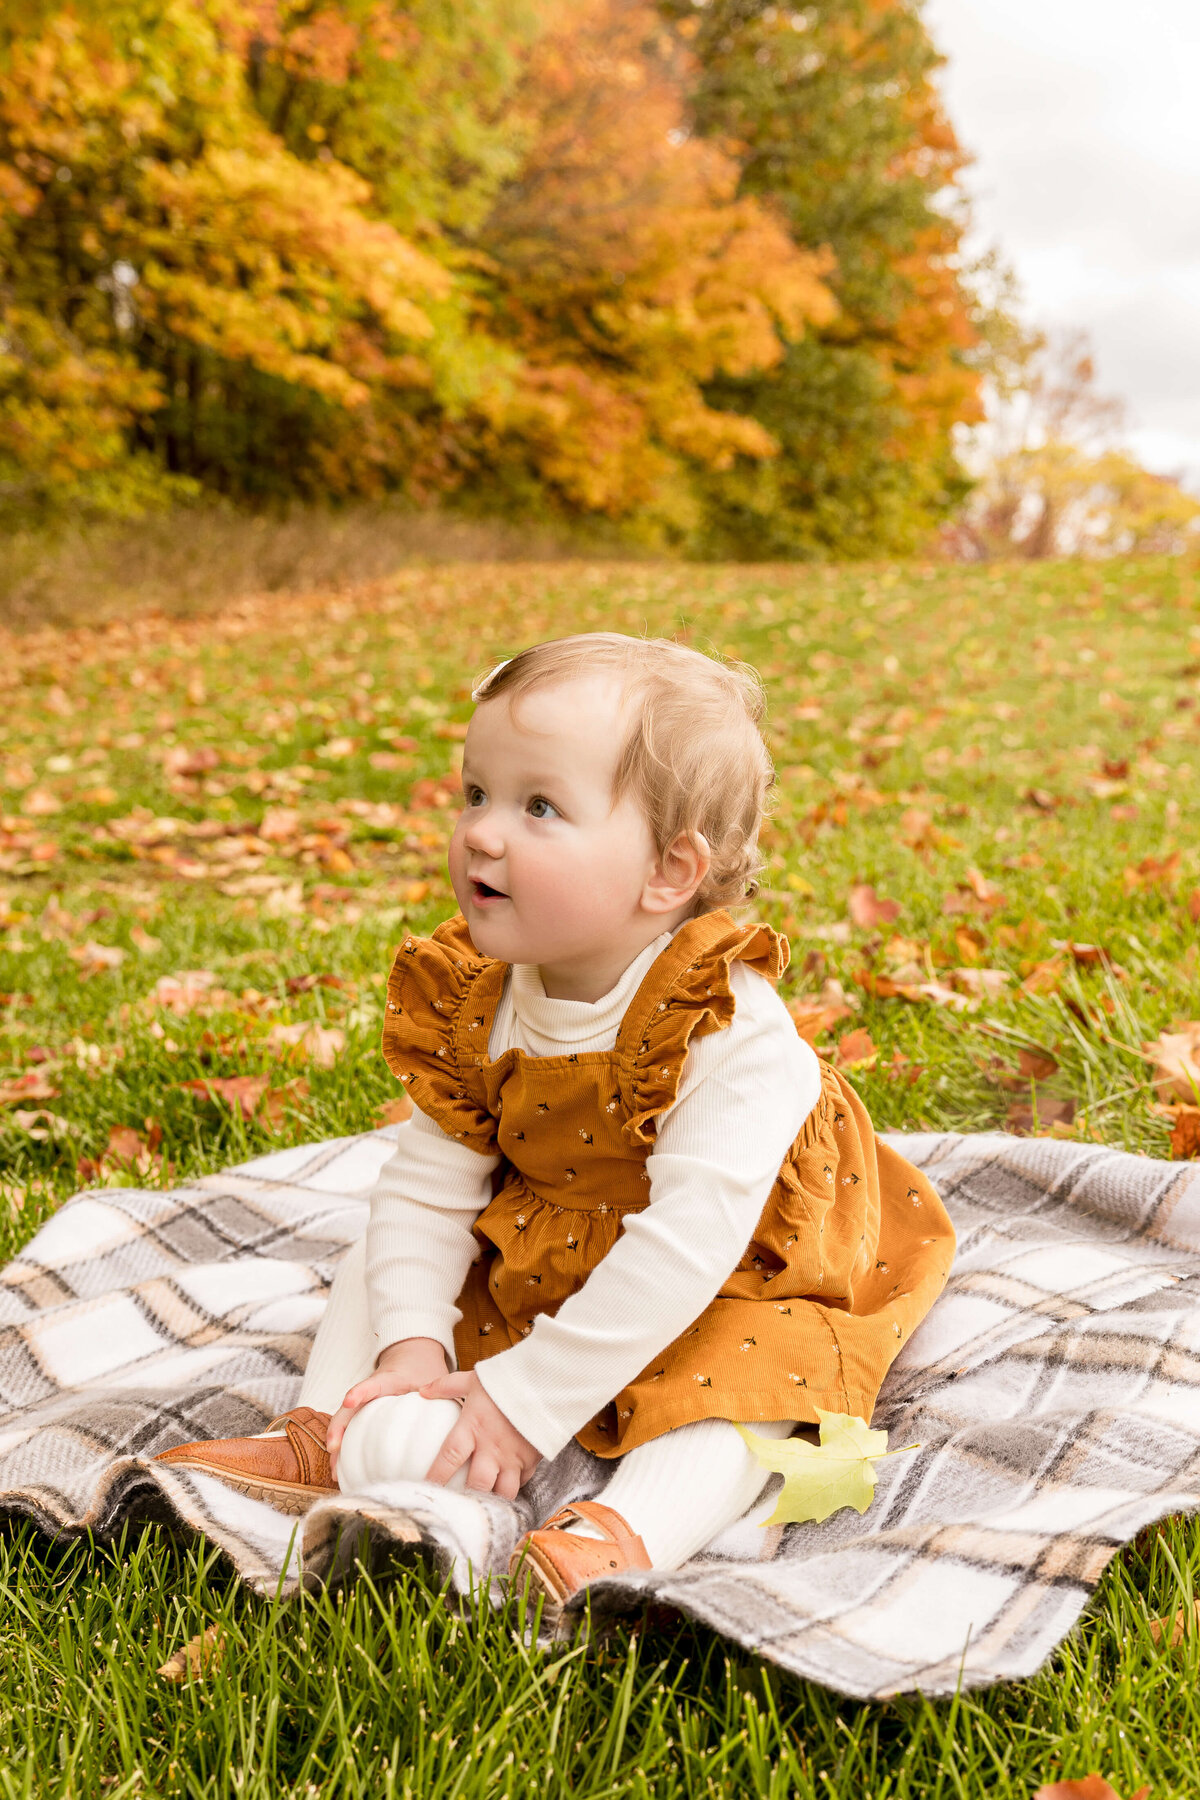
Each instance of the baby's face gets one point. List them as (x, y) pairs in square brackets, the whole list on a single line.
[(546, 868)]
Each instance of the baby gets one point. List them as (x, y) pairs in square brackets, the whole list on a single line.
[(631, 1205)]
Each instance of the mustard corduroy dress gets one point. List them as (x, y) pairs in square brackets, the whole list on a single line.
[(852, 1248)]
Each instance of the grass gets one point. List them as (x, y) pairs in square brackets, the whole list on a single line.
[(1006, 754), (192, 560)]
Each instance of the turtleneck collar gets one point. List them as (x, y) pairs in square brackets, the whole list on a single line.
[(547, 1027)]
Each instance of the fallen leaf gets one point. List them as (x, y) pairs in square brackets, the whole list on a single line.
[(339, 748), (1031, 1118), (916, 828), (179, 760), (276, 1103), (189, 989), (125, 1144), (279, 825), (304, 984), (435, 792), (936, 993), (320, 1045), (40, 1124), (1152, 871), (1176, 1058), (1181, 1626), (1088, 1787), (1193, 906), (981, 984), (394, 1112), (856, 1050), (196, 1658), (813, 1021), (1041, 799), (1045, 977), (143, 941), (1036, 1065), (820, 1479), (39, 803), (973, 894), (969, 942), (34, 1084), (95, 959), (241, 1093), (1185, 1134), (867, 910)]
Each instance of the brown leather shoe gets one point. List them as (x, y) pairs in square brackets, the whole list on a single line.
[(558, 1563), (290, 1470)]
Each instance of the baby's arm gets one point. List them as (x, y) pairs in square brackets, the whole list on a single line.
[(419, 1247), (745, 1094)]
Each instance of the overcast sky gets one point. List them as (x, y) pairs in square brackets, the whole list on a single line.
[(1084, 118)]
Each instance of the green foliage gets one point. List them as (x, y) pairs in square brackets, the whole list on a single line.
[(836, 123), (293, 250)]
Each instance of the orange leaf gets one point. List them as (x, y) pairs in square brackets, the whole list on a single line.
[(1181, 1626), (1185, 1134), (195, 1658), (1152, 871), (867, 909), (1045, 977), (814, 1021), (241, 1093), (856, 1050), (33, 1085), (125, 1144), (1088, 1787), (278, 1102), (973, 894), (1036, 1064), (1032, 1119), (1176, 1058)]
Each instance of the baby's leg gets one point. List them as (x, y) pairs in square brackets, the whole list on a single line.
[(681, 1490), (343, 1350)]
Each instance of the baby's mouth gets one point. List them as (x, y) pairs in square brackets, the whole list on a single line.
[(481, 892)]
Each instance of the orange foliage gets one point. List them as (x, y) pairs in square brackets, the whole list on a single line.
[(628, 272)]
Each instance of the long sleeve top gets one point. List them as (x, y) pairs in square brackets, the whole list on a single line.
[(743, 1098)]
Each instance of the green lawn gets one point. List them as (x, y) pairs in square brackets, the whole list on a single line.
[(1008, 756)]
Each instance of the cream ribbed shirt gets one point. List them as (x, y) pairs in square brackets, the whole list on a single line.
[(744, 1094)]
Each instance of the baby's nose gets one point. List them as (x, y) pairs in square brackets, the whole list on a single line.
[(483, 835)]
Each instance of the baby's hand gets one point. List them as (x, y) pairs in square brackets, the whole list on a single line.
[(501, 1459), (402, 1369)]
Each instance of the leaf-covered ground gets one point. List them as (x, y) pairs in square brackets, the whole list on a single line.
[(985, 853)]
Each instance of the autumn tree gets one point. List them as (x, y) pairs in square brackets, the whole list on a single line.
[(679, 269), (832, 113), (184, 301), (627, 272), (1053, 477)]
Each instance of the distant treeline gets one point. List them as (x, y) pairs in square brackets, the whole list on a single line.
[(688, 270)]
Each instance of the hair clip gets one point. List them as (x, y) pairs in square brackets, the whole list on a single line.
[(477, 693)]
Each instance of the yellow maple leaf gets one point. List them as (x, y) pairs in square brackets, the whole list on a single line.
[(818, 1479)]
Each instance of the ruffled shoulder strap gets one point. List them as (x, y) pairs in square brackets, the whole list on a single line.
[(686, 993), (442, 998)]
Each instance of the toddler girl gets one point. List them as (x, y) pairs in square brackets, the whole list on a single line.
[(631, 1205)]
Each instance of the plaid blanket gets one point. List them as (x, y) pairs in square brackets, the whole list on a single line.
[(1054, 1391)]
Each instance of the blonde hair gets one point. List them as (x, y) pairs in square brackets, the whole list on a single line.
[(694, 758)]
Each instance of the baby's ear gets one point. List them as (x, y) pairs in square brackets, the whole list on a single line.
[(677, 874)]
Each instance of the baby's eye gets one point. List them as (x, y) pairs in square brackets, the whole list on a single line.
[(474, 796), (540, 808)]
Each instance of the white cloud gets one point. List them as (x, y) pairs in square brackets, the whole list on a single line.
[(1083, 120)]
